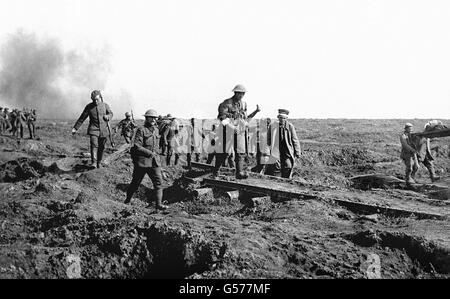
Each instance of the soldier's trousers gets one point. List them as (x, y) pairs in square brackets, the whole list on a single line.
[(20, 129), (31, 130), (138, 174), (283, 166), (429, 165), (411, 165), (170, 154), (97, 147)]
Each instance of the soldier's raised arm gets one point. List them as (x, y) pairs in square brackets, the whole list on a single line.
[(254, 112)]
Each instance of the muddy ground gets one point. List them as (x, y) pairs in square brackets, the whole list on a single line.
[(58, 219)]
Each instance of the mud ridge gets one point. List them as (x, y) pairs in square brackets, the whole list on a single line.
[(431, 256)]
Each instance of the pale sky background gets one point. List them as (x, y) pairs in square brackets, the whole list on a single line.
[(319, 59)]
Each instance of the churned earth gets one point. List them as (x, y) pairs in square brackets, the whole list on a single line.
[(58, 219)]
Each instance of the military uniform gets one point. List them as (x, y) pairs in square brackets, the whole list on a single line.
[(146, 161), (233, 110), (13, 115), (409, 156), (97, 129), (7, 120), (424, 156), (285, 144), (164, 131), (20, 123), (169, 130), (31, 118), (127, 127)]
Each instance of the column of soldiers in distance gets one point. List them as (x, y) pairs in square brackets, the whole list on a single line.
[(14, 122)]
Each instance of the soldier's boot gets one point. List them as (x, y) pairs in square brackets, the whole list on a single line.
[(159, 197), (220, 159), (408, 178), (99, 159), (168, 158), (433, 175), (128, 199), (93, 158), (177, 159), (241, 173), (286, 173)]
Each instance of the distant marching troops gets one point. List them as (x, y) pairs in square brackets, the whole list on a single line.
[(14, 122)]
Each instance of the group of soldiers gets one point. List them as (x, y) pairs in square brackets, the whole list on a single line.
[(13, 122), (416, 149), (153, 139)]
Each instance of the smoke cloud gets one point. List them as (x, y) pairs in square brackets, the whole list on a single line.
[(39, 73)]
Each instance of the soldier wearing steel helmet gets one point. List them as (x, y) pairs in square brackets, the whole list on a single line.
[(409, 154), (146, 158), (127, 127), (232, 114), (99, 115)]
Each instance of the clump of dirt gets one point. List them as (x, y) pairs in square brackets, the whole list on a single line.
[(21, 169), (84, 197), (92, 179), (43, 187), (430, 256)]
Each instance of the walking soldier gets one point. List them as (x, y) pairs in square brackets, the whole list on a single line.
[(99, 115), (146, 158)]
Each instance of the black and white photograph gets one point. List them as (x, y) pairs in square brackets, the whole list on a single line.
[(225, 145)]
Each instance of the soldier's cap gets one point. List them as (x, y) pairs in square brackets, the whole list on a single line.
[(94, 93), (151, 113), (169, 116), (239, 88), (283, 113), (408, 125)]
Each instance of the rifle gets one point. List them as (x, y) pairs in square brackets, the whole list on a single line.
[(132, 116)]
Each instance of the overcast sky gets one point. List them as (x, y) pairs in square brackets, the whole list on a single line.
[(319, 59)]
